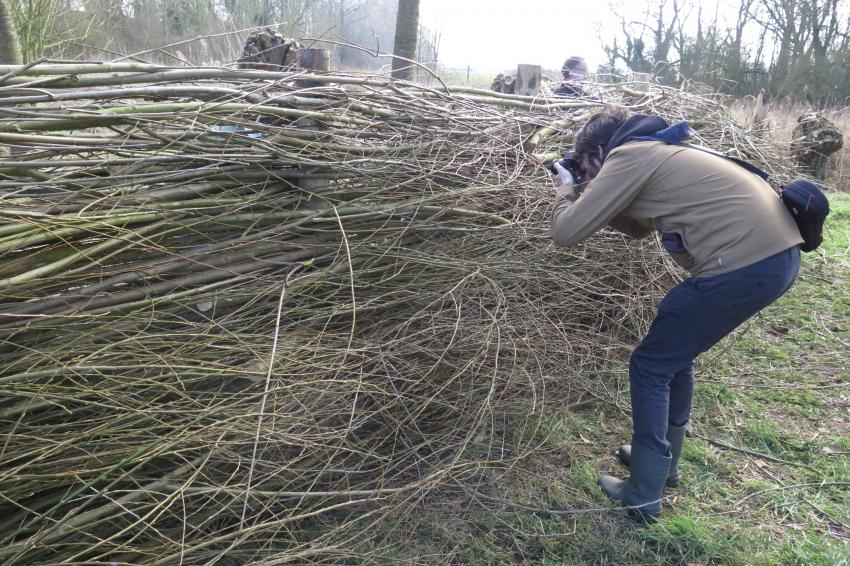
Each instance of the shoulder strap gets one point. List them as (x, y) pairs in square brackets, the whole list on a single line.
[(745, 164)]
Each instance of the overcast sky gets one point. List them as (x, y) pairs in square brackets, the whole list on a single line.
[(494, 35)]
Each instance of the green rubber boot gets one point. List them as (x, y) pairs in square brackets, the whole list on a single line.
[(642, 491), (676, 438)]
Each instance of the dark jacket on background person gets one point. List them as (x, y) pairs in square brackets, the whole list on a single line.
[(570, 90)]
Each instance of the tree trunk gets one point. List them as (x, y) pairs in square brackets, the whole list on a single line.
[(10, 49), (406, 32)]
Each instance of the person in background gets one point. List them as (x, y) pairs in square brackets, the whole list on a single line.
[(574, 69), (719, 221), (503, 84)]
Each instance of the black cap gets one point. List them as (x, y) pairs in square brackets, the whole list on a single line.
[(809, 207)]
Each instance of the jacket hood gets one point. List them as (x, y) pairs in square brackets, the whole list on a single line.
[(637, 126)]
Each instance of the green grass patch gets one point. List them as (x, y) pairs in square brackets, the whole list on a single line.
[(763, 479), (691, 540)]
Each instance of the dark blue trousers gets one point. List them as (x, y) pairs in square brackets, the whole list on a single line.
[(691, 318)]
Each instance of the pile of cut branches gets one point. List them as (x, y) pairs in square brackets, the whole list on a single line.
[(246, 318)]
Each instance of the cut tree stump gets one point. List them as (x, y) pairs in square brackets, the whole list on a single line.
[(315, 60), (814, 139), (267, 50)]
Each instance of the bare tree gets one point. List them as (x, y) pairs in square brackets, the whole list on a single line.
[(810, 41), (663, 32), (10, 48), (406, 34), (637, 55), (734, 59), (809, 54)]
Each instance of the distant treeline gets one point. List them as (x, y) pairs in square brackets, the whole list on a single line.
[(104, 29), (796, 48), (802, 47)]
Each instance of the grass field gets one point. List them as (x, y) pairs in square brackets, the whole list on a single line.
[(766, 468)]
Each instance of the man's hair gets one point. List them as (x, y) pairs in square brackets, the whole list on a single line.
[(599, 130), (573, 63)]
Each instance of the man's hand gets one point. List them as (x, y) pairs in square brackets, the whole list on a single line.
[(563, 177)]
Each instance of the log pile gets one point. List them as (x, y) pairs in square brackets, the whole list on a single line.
[(208, 353)]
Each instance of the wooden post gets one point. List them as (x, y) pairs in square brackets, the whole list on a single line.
[(315, 60), (642, 82), (528, 78)]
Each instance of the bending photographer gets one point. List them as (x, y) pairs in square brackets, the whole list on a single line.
[(722, 223)]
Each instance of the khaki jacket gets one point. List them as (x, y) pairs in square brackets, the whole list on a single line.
[(727, 218)]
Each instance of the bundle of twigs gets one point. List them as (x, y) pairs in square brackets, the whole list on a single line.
[(242, 318)]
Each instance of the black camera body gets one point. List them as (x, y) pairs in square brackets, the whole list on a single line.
[(568, 162)]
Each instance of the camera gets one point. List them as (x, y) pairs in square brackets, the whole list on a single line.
[(568, 162)]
